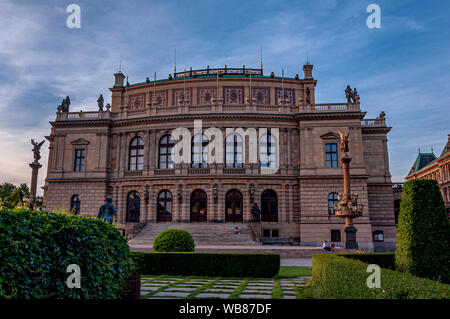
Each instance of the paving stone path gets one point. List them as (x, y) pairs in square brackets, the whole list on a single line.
[(217, 288)]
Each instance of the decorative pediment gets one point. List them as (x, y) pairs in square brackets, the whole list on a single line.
[(330, 136), (80, 141)]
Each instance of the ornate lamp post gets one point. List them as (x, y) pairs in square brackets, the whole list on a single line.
[(347, 207)]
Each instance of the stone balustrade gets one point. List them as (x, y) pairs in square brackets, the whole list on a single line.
[(373, 122), (216, 108)]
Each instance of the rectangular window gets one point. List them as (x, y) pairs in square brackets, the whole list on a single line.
[(331, 155), (79, 160), (335, 235)]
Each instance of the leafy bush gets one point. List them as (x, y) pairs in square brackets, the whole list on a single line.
[(384, 260), (37, 246), (11, 195), (207, 264), (423, 236), (174, 240), (336, 276)]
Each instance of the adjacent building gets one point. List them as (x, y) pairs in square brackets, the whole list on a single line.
[(429, 166)]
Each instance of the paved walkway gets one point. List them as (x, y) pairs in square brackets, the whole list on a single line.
[(216, 288), (307, 262), (237, 247)]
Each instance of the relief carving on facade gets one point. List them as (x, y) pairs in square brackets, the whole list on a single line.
[(288, 93), (206, 94), (179, 98), (233, 95), (262, 95), (161, 98), (137, 102)]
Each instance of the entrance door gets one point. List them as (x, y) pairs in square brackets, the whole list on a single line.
[(133, 207), (233, 206), (199, 206), (269, 206), (164, 209)]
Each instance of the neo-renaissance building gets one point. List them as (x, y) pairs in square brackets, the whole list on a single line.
[(124, 150)]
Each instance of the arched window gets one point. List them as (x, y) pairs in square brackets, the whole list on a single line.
[(199, 204), (75, 204), (268, 151), (199, 151), (332, 199), (269, 206), (233, 206), (164, 208), (165, 151), (233, 151), (133, 207), (136, 154), (378, 235)]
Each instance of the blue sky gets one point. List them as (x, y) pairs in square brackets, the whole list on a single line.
[(402, 69)]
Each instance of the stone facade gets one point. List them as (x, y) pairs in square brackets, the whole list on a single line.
[(302, 184)]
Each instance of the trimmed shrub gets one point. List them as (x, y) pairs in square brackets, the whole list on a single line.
[(174, 240), (336, 276), (384, 260), (207, 264), (423, 235), (37, 246)]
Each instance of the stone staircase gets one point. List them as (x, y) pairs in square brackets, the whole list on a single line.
[(203, 233)]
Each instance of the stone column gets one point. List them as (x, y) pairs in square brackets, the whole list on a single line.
[(153, 149), (288, 164), (121, 205), (147, 153), (35, 166)]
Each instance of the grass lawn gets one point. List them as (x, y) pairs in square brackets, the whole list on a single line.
[(292, 272)]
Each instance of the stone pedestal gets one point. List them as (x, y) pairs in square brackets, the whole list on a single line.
[(350, 238)]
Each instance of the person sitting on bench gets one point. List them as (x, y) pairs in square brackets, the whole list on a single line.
[(326, 246)]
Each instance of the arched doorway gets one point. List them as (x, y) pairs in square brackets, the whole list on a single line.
[(133, 207), (269, 206), (164, 207), (233, 206), (199, 204)]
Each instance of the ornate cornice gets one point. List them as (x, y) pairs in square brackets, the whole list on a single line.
[(375, 130), (330, 115)]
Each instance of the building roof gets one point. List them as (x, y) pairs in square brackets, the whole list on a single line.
[(446, 147), (422, 160)]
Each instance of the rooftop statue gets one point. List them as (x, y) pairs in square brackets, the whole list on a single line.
[(65, 104), (100, 102), (355, 96), (349, 94)]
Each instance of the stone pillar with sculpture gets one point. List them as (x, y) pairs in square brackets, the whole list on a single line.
[(347, 206), (35, 166)]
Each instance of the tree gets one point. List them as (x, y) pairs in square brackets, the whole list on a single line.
[(423, 235), (11, 195)]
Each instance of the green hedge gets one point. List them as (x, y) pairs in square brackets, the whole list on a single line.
[(336, 276), (423, 235), (174, 240), (36, 248), (384, 260), (207, 264)]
